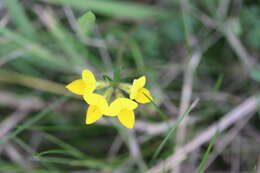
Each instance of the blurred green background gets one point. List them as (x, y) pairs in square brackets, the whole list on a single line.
[(188, 50)]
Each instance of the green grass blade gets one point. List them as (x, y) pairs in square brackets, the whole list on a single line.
[(17, 169), (36, 49), (23, 145), (19, 17), (172, 129), (32, 82), (74, 151), (218, 83), (202, 165), (137, 56), (97, 164), (157, 108), (28, 149), (114, 8), (57, 151), (52, 128), (34, 119), (66, 41)]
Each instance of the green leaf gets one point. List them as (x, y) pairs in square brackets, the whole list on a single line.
[(86, 22)]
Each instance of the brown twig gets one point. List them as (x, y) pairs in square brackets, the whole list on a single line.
[(237, 46), (16, 156), (258, 165), (23, 105), (11, 121), (252, 132), (150, 128), (223, 142), (27, 102), (186, 95), (116, 145), (244, 109)]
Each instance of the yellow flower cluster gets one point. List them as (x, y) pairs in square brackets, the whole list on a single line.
[(121, 107)]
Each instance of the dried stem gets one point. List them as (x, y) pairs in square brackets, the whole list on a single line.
[(241, 111)]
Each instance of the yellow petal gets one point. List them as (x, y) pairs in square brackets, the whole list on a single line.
[(143, 96), (140, 82), (97, 100), (127, 104), (93, 114), (133, 91), (89, 78), (127, 118), (113, 109), (77, 87), (137, 84), (89, 88), (121, 103)]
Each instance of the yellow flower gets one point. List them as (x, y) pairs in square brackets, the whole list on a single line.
[(98, 106), (138, 92), (123, 108), (83, 86)]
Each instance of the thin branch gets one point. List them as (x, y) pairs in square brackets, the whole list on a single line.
[(150, 128), (258, 165), (114, 149), (16, 156), (241, 111), (186, 97), (237, 46), (28, 102), (223, 142), (11, 121)]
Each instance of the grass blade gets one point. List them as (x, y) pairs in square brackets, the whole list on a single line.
[(74, 151), (32, 82), (34, 119), (161, 113), (19, 17), (28, 149), (65, 39), (202, 165), (113, 8), (218, 83), (173, 128), (17, 169), (36, 50), (137, 56)]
